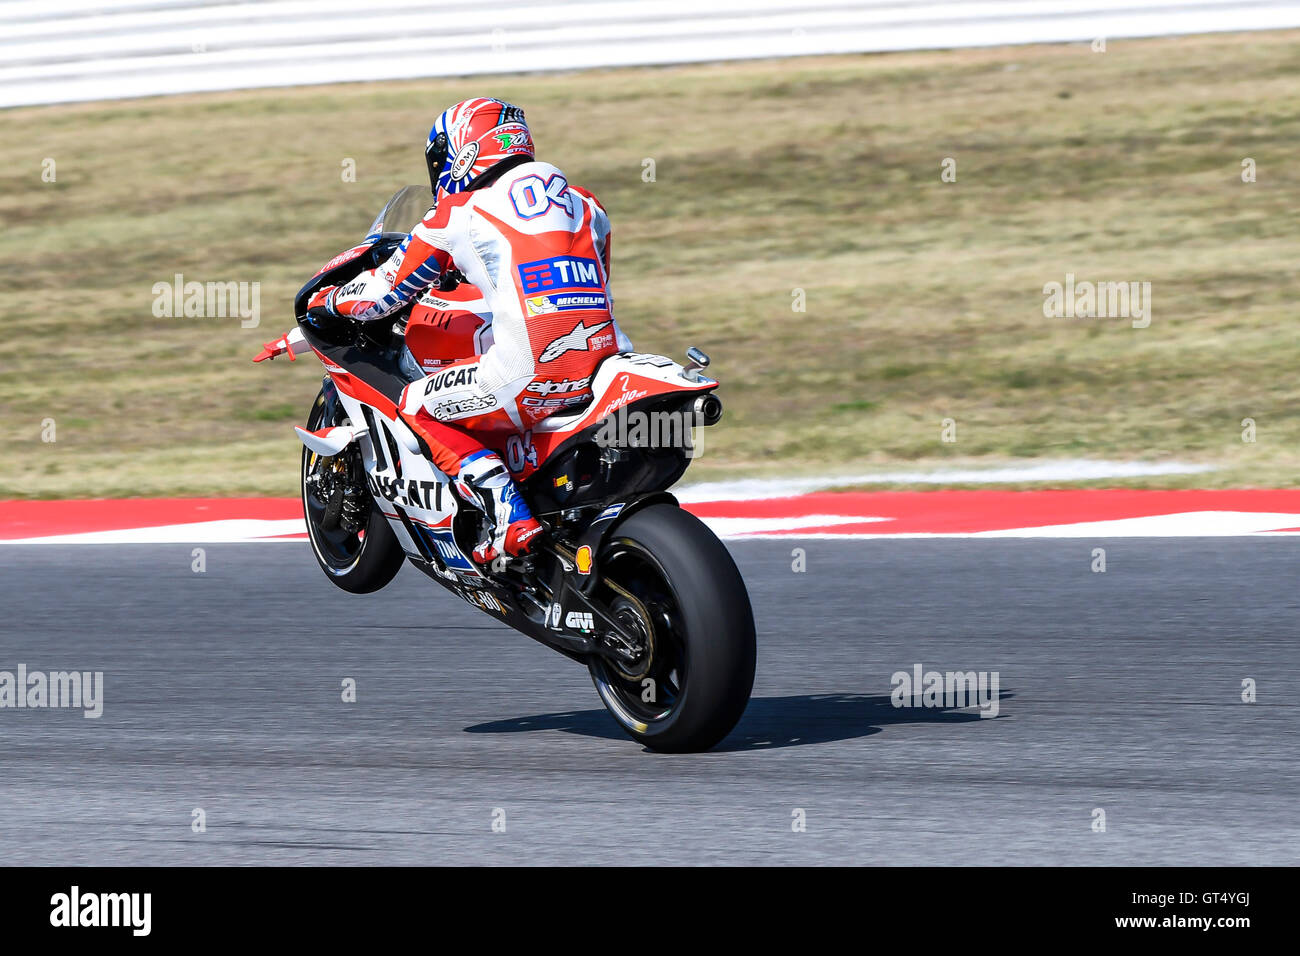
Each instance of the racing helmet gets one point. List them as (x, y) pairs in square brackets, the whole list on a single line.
[(471, 144)]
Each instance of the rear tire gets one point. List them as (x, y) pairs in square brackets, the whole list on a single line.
[(703, 632), (358, 562)]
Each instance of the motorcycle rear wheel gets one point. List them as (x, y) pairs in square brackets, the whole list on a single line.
[(700, 629)]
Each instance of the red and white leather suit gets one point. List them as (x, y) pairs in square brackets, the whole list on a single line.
[(538, 250)]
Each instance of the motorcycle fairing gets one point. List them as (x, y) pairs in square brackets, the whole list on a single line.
[(414, 495)]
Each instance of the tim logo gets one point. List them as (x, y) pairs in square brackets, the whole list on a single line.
[(561, 272)]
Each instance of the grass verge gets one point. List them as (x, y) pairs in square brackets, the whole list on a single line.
[(816, 179)]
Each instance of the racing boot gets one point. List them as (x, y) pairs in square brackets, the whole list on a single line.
[(484, 481)]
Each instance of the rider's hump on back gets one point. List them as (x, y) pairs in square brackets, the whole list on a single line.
[(536, 196)]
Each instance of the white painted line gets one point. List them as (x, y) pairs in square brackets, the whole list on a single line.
[(199, 532), (1194, 524), (749, 489), (1197, 524), (743, 527)]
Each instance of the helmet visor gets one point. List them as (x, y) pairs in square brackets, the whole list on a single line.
[(435, 156)]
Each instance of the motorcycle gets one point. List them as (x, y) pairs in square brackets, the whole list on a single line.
[(623, 581)]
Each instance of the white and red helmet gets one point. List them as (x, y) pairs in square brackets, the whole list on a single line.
[(471, 139)]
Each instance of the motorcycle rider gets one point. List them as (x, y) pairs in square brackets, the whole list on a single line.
[(538, 249)]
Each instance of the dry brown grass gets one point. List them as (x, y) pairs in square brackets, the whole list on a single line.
[(924, 299)]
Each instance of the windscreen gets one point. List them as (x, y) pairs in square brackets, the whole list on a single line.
[(401, 213)]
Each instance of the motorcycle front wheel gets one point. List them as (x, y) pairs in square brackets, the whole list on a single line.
[(672, 582), (350, 537)]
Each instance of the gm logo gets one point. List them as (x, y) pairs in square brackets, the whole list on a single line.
[(562, 272)]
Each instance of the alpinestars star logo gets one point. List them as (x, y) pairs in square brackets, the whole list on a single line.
[(574, 341)]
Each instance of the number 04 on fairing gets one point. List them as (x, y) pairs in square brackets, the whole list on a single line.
[(622, 581)]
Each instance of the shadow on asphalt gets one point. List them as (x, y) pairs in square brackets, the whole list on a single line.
[(769, 722)]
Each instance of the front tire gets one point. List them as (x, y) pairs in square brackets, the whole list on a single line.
[(700, 630), (357, 550)]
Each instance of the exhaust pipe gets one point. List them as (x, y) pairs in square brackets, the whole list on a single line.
[(708, 409)]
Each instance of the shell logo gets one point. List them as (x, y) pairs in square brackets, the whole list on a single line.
[(583, 559)]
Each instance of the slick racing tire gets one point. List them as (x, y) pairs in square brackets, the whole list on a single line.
[(358, 552), (689, 603)]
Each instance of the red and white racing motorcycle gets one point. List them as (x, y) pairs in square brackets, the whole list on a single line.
[(624, 581)]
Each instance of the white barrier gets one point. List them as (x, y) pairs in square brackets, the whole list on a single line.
[(65, 50)]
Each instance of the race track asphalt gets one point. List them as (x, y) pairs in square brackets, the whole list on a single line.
[(1120, 691)]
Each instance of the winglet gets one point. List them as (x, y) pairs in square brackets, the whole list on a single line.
[(329, 441)]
